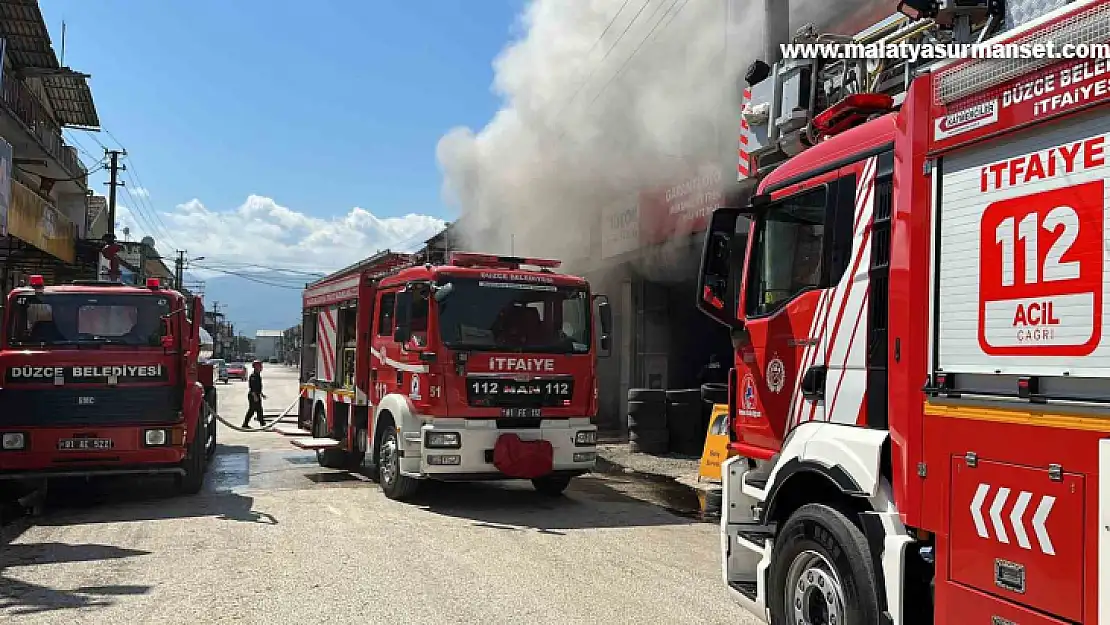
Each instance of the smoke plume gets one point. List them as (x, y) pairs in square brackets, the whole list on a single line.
[(590, 119)]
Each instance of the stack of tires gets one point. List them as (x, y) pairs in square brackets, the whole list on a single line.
[(647, 421), (685, 431), (712, 393)]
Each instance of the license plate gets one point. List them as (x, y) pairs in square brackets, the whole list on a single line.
[(85, 443), (520, 413)]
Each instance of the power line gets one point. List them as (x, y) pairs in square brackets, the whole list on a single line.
[(585, 80), (638, 47), (254, 279), (315, 274)]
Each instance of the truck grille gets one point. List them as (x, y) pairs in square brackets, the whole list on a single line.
[(88, 406), (510, 393)]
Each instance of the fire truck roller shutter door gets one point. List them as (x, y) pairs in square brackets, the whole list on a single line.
[(1030, 212)]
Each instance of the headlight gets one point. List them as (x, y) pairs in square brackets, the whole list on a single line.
[(13, 441), (442, 439), (585, 438), (155, 438)]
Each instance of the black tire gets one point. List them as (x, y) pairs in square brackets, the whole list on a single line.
[(819, 545), (647, 416), (551, 485), (684, 429), (647, 395), (395, 486), (714, 393), (327, 458), (653, 442), (684, 396), (196, 461)]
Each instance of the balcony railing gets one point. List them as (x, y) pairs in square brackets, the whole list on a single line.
[(38, 222), (22, 103)]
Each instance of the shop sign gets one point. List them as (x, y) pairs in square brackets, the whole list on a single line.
[(682, 209), (620, 228)]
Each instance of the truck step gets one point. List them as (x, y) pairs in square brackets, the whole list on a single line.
[(291, 430), (315, 443)]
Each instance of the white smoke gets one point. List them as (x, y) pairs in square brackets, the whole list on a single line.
[(586, 125)]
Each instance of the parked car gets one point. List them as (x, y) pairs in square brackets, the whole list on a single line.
[(237, 371), (220, 367)]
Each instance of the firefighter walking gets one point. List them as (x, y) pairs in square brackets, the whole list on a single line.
[(255, 395)]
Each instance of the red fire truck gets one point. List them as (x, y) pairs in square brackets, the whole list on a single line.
[(101, 378), (918, 295), (483, 368)]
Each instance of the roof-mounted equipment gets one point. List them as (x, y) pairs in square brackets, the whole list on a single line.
[(492, 261)]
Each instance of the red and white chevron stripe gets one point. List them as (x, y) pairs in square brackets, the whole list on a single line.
[(325, 344), (837, 320)]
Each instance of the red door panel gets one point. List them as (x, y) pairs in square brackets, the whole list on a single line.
[(1018, 534), (783, 346)]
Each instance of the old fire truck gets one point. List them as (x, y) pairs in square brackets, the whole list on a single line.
[(483, 368), (918, 289), (101, 378)]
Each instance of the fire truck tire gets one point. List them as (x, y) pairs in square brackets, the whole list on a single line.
[(327, 458), (551, 485), (196, 462), (821, 566), (395, 486)]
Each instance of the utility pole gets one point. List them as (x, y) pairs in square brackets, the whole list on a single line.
[(114, 168), (217, 326), (178, 269)]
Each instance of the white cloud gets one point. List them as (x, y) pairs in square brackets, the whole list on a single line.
[(138, 191), (262, 232)]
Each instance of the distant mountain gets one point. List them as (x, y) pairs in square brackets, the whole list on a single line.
[(252, 306)]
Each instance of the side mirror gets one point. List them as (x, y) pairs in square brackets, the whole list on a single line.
[(402, 331), (719, 276), (196, 322), (605, 317)]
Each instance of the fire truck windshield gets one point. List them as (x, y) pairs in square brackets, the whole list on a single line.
[(522, 317), (64, 319)]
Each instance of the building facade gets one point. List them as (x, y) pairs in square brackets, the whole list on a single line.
[(43, 184)]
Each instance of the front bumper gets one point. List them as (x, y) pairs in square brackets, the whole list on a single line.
[(473, 458), (41, 457)]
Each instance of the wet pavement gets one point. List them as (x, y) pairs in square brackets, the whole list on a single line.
[(275, 538)]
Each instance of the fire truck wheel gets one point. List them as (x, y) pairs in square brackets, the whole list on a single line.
[(551, 485), (327, 458), (195, 463), (394, 485), (821, 571)]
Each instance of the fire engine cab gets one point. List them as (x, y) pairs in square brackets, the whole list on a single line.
[(483, 368), (918, 289)]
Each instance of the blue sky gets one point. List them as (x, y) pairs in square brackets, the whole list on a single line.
[(320, 106)]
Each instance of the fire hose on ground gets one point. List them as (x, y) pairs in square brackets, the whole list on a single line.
[(266, 428)]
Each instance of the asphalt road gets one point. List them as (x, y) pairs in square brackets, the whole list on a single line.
[(276, 539)]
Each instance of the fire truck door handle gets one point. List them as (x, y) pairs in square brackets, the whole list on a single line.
[(373, 375), (400, 377), (813, 383)]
